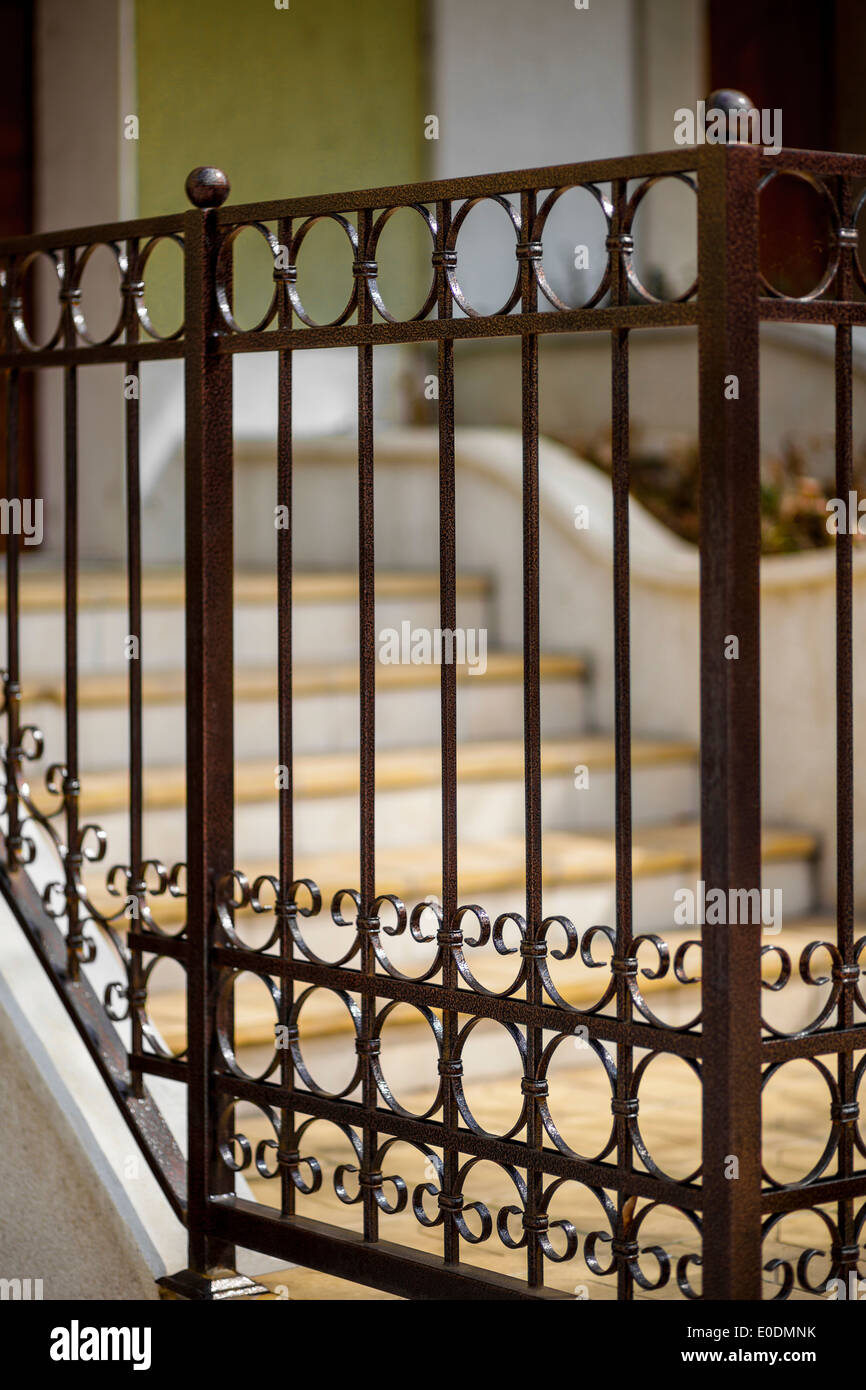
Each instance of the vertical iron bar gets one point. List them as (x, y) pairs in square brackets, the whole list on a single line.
[(133, 564), (71, 785), (284, 715), (209, 706), (448, 708), (730, 541), (620, 474), (13, 650), (531, 727), (367, 673), (844, 290)]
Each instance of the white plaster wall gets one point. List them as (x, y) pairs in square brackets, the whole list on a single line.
[(671, 72), (517, 85), (66, 1213), (79, 1207)]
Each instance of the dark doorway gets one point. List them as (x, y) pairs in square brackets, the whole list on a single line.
[(781, 53), (803, 60)]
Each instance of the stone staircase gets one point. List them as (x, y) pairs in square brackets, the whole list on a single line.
[(577, 819)]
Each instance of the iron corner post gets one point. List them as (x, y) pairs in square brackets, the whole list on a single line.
[(209, 714), (728, 279)]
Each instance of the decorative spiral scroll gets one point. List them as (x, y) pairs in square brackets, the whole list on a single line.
[(838, 1278), (68, 899), (843, 976)]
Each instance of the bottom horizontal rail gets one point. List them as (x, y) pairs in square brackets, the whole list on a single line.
[(394, 1269)]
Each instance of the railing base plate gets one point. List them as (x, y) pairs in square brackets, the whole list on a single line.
[(219, 1285)]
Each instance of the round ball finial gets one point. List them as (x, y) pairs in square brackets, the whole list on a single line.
[(728, 99), (207, 187)]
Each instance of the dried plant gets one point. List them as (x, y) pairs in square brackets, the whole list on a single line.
[(665, 479)]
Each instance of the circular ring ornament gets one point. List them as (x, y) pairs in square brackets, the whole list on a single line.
[(543, 1103), (354, 1013), (538, 226), (75, 294), (16, 302), (832, 1143), (223, 267), (223, 1023), (290, 277), (427, 1016), (148, 1028), (632, 206), (638, 1140), (370, 257), (138, 294), (451, 247), (833, 263)]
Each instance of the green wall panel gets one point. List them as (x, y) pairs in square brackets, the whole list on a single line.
[(323, 96)]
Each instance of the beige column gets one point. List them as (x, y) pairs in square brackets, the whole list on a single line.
[(85, 173)]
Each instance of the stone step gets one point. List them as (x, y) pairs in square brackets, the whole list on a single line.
[(325, 616), (491, 795), (325, 711)]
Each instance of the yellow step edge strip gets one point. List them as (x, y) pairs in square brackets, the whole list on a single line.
[(167, 687), (42, 591)]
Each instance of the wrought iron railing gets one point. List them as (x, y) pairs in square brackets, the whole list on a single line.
[(726, 1045)]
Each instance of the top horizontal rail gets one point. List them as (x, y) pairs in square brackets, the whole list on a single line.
[(87, 236), (687, 158), (816, 162), (133, 242), (474, 186)]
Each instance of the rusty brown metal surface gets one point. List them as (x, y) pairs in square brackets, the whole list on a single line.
[(730, 716), (208, 506)]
